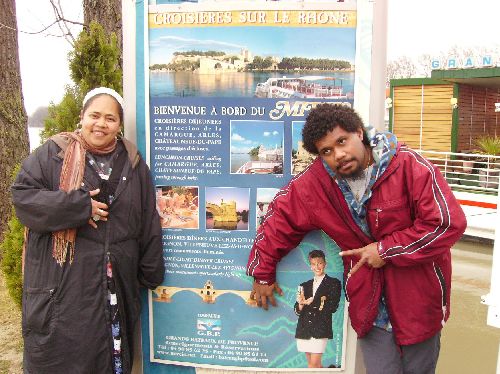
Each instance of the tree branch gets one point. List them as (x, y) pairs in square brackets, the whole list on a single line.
[(42, 30), (61, 22), (65, 33)]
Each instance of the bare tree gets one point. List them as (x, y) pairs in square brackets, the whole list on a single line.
[(403, 67), (14, 143), (108, 13), (62, 22), (424, 65)]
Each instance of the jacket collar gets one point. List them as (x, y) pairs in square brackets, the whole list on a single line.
[(334, 194), (391, 168), (133, 154)]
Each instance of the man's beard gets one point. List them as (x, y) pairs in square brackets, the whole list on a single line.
[(355, 174)]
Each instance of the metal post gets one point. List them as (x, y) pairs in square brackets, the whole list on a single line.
[(378, 65), (129, 89)]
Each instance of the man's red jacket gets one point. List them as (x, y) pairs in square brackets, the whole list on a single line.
[(414, 217)]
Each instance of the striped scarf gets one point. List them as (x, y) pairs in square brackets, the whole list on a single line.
[(72, 171)]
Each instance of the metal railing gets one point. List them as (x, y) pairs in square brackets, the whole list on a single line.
[(467, 172)]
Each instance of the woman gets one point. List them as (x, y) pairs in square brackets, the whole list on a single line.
[(94, 238), (317, 300)]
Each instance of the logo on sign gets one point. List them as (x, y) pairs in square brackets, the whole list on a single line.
[(209, 326)]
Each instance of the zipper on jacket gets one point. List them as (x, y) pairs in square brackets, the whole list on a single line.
[(125, 354), (442, 284), (125, 178), (107, 257), (378, 210)]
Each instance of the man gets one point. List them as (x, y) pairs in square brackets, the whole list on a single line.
[(260, 213), (394, 217)]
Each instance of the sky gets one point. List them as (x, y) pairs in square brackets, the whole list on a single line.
[(415, 27), (266, 194), (44, 58), (297, 133), (215, 195), (247, 135)]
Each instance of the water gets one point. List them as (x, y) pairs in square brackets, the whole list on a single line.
[(240, 225), (242, 84), (239, 159)]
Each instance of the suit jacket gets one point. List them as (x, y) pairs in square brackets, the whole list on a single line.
[(315, 320)]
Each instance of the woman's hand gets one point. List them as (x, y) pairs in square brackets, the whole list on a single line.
[(99, 210), (300, 299), (303, 301)]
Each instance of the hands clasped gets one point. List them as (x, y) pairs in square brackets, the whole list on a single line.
[(303, 301), (367, 255), (99, 210)]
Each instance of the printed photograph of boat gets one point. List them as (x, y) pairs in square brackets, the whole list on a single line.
[(256, 147), (270, 161), (306, 87), (245, 62)]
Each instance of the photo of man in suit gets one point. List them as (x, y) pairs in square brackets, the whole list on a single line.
[(317, 300)]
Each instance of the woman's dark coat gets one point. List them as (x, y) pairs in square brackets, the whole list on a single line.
[(65, 317), (315, 320)]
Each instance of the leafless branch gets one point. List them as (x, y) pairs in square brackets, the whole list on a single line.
[(61, 22), (73, 22), (42, 30), (65, 32)]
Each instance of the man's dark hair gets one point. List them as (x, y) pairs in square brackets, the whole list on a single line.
[(326, 117), (316, 253)]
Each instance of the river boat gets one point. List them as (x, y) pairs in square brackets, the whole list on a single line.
[(261, 167), (305, 87)]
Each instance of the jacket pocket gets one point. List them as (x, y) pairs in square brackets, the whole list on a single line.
[(388, 216), (38, 310)]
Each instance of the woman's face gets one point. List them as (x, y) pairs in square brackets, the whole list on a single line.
[(318, 266), (100, 121)]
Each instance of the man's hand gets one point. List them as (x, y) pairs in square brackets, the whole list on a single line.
[(261, 292), (367, 255)]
